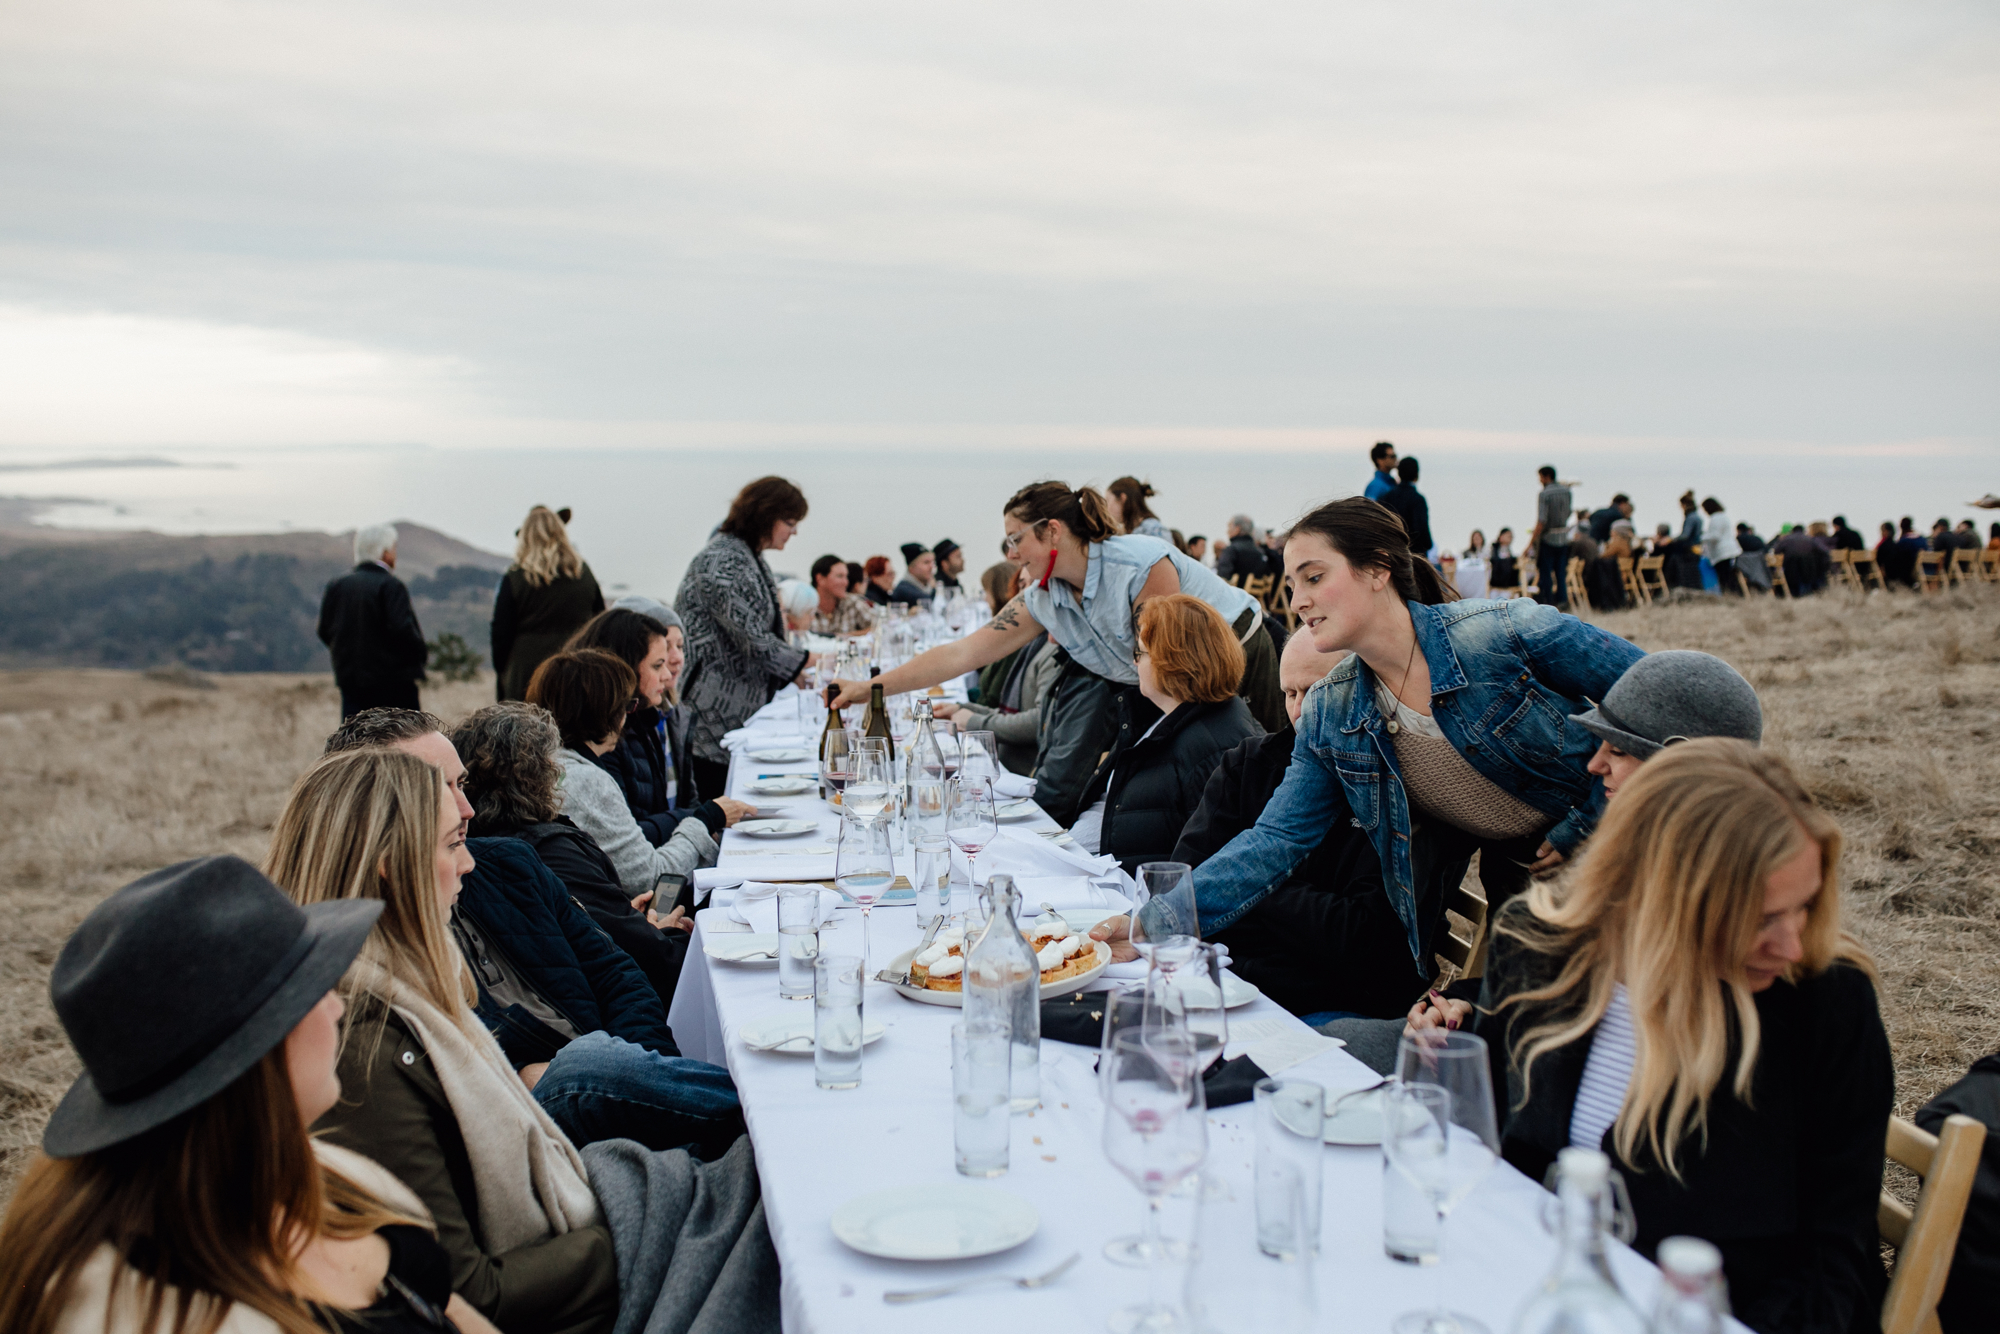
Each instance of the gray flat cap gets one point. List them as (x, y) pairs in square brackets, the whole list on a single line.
[(1675, 695), (645, 606)]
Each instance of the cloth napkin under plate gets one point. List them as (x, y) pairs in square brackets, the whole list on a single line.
[(1013, 785), (756, 905), (811, 866)]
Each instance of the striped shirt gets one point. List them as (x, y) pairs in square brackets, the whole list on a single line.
[(1614, 1048)]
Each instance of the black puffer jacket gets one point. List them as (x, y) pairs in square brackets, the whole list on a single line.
[(1327, 939), (593, 882), (1152, 786), (639, 763)]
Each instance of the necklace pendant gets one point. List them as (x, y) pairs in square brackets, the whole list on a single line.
[(1394, 727)]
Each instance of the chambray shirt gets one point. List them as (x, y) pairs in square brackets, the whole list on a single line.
[(1097, 629)]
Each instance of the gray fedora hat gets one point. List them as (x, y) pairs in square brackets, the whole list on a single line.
[(180, 982), (1675, 695)]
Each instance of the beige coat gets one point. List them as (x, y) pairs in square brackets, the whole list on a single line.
[(103, 1300)]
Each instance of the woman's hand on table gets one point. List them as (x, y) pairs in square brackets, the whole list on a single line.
[(733, 810), (1116, 932)]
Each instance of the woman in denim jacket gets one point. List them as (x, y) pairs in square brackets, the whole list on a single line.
[(1447, 729)]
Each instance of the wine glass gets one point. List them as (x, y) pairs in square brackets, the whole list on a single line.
[(836, 760), (1200, 995), (1126, 1011), (1155, 1132), (971, 824), (979, 755), (864, 868), (869, 792), (1457, 1065), (1172, 885)]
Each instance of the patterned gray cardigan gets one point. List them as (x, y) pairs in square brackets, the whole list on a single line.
[(736, 650)]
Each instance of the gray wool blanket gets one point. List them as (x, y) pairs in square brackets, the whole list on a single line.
[(694, 1251)]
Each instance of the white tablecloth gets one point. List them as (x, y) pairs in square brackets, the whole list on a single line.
[(817, 1149)]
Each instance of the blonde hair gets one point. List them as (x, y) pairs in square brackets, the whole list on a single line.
[(363, 824), (543, 553), (1668, 898)]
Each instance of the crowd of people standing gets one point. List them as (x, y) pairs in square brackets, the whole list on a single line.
[(427, 1077)]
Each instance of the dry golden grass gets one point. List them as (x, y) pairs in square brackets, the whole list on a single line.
[(1890, 708)]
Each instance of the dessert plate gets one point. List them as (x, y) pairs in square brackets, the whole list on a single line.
[(951, 1221), (1356, 1118), (1017, 810), (780, 754), (790, 786), (748, 947), (777, 828), (793, 1033), (1235, 991)]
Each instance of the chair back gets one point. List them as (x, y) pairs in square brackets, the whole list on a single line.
[(1776, 565), (1578, 596), (1989, 564), (1930, 571), (1462, 951), (1866, 569), (1925, 1237), (1964, 565), (1652, 572)]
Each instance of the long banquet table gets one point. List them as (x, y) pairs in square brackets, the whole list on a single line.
[(817, 1149)]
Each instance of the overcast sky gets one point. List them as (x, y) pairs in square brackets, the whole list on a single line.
[(1702, 226)]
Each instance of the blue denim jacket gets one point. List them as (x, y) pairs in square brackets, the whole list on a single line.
[(1505, 677)]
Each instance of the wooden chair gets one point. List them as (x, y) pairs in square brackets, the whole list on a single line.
[(1776, 565), (1259, 586), (1462, 952), (1964, 567), (1926, 1236), (1652, 573), (1628, 575), (1931, 573), (1863, 569), (1989, 564), (1578, 595)]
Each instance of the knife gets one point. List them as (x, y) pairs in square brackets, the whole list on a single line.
[(930, 934)]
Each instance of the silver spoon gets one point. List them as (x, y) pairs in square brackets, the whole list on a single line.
[(1040, 1281)]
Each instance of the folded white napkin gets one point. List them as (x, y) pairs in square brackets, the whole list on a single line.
[(812, 866), (756, 904), (1015, 786), (1071, 895), (1020, 853), (1134, 970)]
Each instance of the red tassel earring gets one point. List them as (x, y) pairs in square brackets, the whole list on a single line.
[(1048, 573)]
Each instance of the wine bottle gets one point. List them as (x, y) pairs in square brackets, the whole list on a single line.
[(876, 721), (833, 755)]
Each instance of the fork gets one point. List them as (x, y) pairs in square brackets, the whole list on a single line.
[(946, 1290)]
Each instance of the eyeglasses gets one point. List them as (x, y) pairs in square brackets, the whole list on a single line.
[(1010, 543)]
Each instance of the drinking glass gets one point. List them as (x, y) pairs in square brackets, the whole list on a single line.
[(1155, 1132), (1171, 884), (929, 807), (982, 1065), (836, 770), (1125, 1012), (863, 866), (931, 878), (979, 755), (837, 1021), (971, 825), (1455, 1065), (1197, 993), (1291, 1117), (798, 940), (870, 791)]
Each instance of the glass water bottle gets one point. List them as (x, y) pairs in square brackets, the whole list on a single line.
[(1003, 982), (1580, 1296)]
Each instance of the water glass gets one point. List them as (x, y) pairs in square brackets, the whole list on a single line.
[(863, 867), (928, 807), (837, 1021), (1169, 888), (1456, 1066), (798, 940), (932, 877), (981, 1088), (1416, 1122), (1291, 1117)]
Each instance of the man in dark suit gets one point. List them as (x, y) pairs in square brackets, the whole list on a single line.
[(368, 625), (1409, 505)]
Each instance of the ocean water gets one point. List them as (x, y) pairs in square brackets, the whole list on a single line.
[(641, 514)]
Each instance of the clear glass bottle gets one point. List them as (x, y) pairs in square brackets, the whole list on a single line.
[(1003, 982), (1580, 1296), (1693, 1298), (926, 756)]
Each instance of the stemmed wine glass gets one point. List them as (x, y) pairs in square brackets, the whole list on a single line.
[(1172, 884), (869, 792), (864, 868), (971, 824), (1443, 1077), (1155, 1132)]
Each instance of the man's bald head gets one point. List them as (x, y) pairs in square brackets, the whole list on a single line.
[(1299, 667)]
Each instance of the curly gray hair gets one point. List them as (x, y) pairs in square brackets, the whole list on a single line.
[(511, 773)]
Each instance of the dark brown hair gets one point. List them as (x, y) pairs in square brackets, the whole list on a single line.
[(1133, 492), (998, 581), (1370, 537), (621, 632), (587, 691), (1196, 658), (760, 507), (1082, 511), (210, 1205), (511, 771)]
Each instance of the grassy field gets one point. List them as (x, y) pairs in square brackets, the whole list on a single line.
[(1890, 707)]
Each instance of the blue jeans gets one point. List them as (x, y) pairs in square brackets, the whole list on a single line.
[(601, 1087)]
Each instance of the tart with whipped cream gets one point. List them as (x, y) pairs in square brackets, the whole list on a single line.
[(941, 966)]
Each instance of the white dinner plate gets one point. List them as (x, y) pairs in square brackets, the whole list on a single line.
[(780, 755), (789, 786), (754, 948), (777, 828), (792, 1034), (956, 999), (1235, 991), (949, 1221), (1357, 1118), (1017, 810)]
